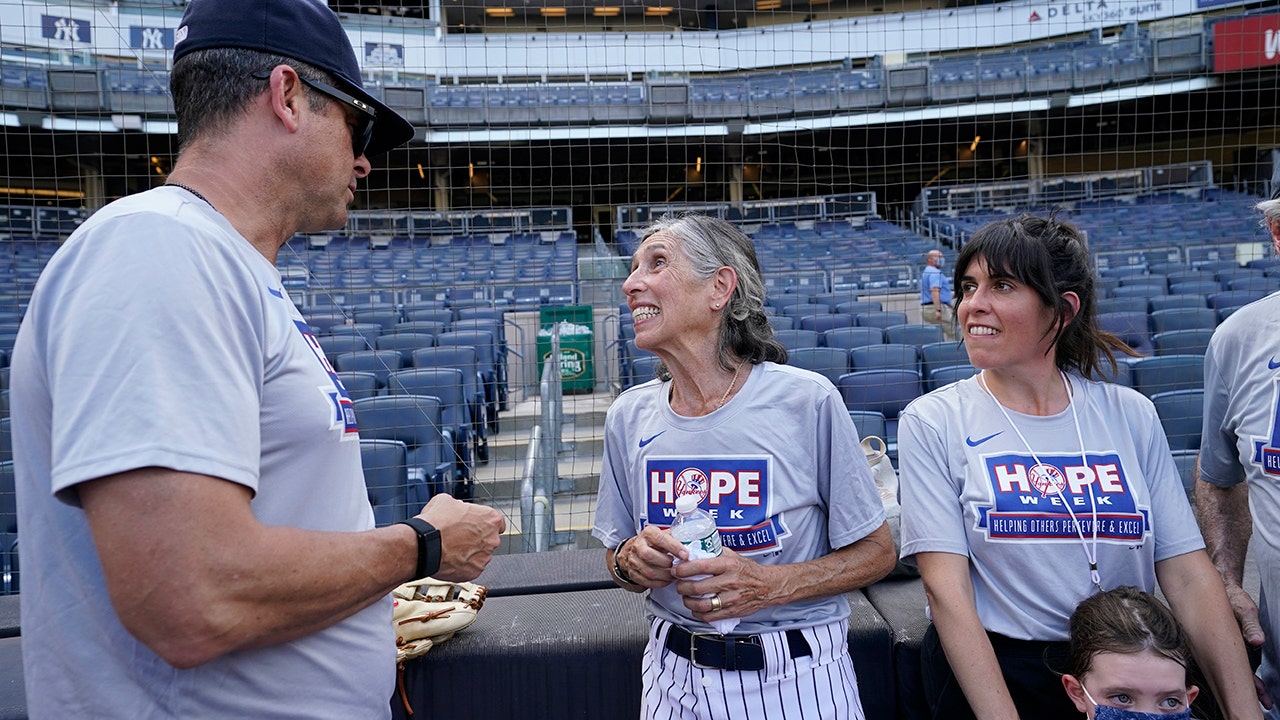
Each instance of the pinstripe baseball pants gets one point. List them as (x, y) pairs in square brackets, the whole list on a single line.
[(819, 686)]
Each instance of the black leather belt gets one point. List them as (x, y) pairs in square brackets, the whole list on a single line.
[(729, 652)]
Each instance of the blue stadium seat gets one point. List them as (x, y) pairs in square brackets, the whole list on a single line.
[(886, 391), (1196, 318), (1164, 373), (825, 321), (1181, 412), (886, 355), (946, 374), (415, 421), (881, 319), (793, 339), (1170, 302), (404, 343), (359, 384), (918, 334), (1182, 342), (379, 362), (852, 337), (447, 385), (386, 478), (941, 354), (828, 362), (464, 358)]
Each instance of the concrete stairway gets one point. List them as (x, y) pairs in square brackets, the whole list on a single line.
[(498, 481)]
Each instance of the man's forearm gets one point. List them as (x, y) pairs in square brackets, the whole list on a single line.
[(1223, 515)]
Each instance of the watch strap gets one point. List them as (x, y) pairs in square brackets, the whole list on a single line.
[(428, 547)]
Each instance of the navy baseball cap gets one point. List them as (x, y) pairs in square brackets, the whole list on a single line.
[(305, 30)]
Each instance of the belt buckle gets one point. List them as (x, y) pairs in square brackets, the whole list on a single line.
[(693, 648)]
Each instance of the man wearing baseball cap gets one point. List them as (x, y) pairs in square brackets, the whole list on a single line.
[(197, 539)]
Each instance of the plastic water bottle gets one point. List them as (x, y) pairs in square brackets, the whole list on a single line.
[(696, 530)]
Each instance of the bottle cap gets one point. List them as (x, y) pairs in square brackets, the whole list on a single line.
[(685, 504)]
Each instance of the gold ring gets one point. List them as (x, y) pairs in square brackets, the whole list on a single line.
[(715, 603)]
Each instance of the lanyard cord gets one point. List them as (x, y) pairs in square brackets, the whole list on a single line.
[(1090, 553)]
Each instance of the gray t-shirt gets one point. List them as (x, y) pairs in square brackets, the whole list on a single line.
[(779, 466), (158, 336), (966, 490), (1240, 442)]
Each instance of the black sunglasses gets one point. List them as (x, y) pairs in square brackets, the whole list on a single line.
[(362, 133)]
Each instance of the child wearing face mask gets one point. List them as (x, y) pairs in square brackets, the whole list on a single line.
[(1128, 659)]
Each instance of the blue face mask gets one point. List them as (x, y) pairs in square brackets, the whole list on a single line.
[(1103, 712)]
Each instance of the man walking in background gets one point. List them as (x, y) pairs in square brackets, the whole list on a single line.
[(197, 540), (935, 295)]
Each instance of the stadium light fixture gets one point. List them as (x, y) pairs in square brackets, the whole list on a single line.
[(552, 11), (658, 10), (973, 146), (502, 12), (768, 4), (606, 11)]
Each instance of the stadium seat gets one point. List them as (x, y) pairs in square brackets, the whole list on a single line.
[(918, 334), (386, 478), (404, 343), (856, 307), (887, 392), (1131, 327), (881, 319), (487, 361), (359, 384), (447, 385), (826, 321), (1122, 304), (462, 358), (643, 369), (415, 421), (1164, 373), (868, 423), (1198, 318), (781, 322), (1182, 342), (886, 355), (946, 374), (829, 362), (379, 362), (793, 339), (852, 337), (1180, 413), (1230, 299), (1170, 302), (939, 354), (1195, 287), (335, 345)]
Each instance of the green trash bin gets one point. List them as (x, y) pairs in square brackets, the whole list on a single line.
[(577, 342)]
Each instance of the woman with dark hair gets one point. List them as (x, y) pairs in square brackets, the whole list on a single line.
[(1031, 486), (770, 451)]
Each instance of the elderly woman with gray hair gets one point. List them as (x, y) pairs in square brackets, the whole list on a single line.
[(771, 453)]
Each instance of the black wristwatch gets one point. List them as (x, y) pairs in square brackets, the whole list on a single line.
[(428, 546)]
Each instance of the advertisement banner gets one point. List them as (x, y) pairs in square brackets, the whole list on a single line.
[(1250, 42)]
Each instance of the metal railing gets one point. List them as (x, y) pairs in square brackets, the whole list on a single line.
[(541, 477)]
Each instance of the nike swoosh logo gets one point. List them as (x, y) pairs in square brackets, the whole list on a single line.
[(649, 440), (975, 443), (277, 293), (1272, 364)]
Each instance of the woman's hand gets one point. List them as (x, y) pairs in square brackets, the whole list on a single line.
[(741, 585), (646, 558)]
